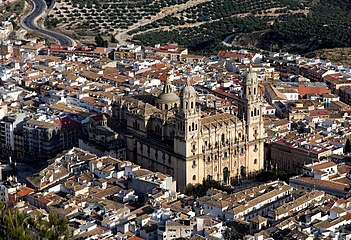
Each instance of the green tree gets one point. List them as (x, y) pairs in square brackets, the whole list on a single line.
[(232, 234), (100, 42), (15, 225), (113, 39), (199, 190)]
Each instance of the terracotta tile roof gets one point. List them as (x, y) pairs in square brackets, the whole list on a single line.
[(23, 191), (323, 183)]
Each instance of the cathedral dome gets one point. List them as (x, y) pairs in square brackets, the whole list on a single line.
[(168, 98), (187, 91), (167, 95)]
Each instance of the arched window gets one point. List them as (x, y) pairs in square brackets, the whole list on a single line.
[(255, 112), (223, 137), (193, 126), (194, 178), (192, 105), (209, 177), (254, 91), (255, 161), (166, 106)]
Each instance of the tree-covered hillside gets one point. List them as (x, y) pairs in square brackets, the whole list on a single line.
[(294, 25)]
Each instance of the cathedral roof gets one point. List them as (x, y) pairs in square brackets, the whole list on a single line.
[(138, 107), (221, 118)]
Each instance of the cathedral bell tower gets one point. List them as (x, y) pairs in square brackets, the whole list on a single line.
[(187, 116), (250, 111)]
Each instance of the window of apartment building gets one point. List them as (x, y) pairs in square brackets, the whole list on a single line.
[(194, 177), (255, 161)]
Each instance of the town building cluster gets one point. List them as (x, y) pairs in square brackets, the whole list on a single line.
[(111, 139)]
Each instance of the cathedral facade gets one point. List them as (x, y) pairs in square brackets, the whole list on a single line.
[(174, 136)]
